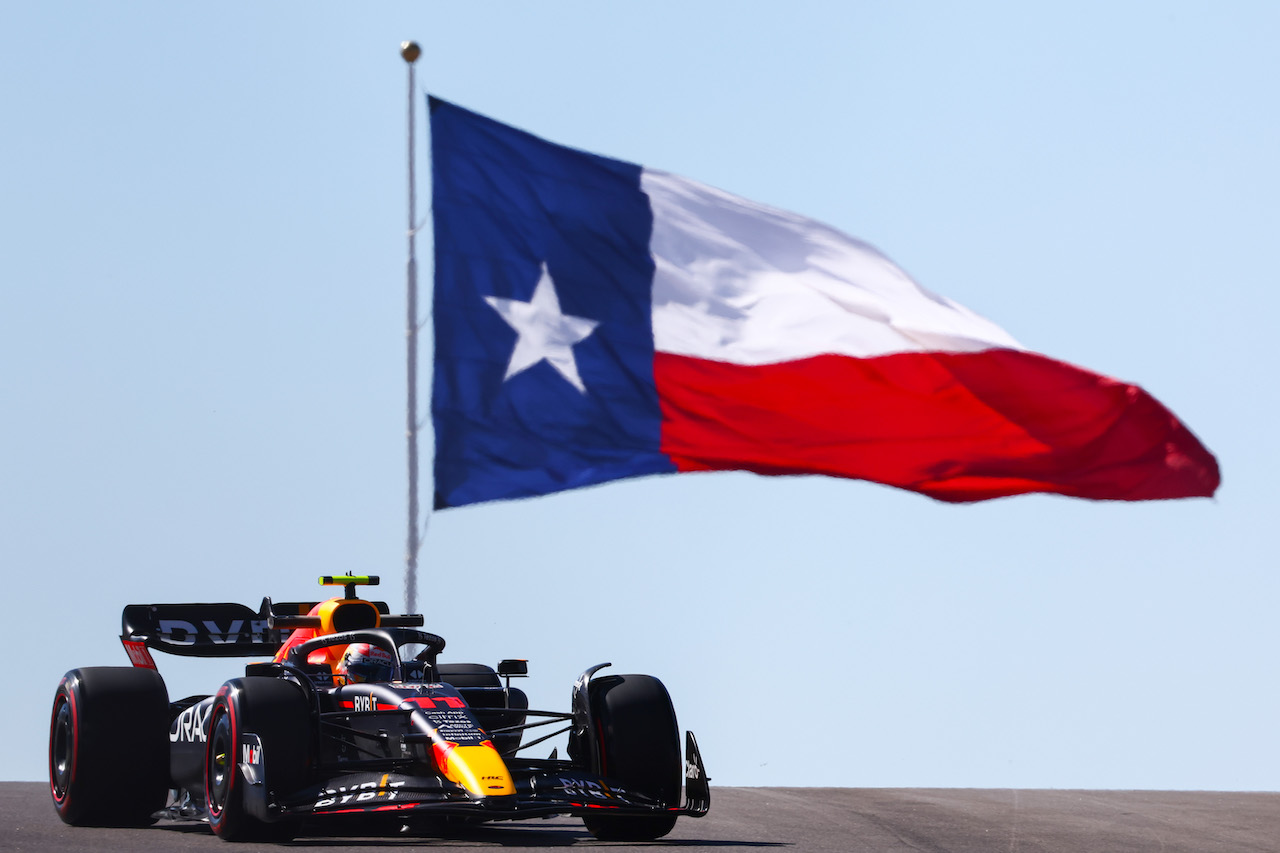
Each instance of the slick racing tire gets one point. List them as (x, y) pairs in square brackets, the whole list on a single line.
[(494, 706), (637, 747), (109, 746), (277, 712), (464, 675)]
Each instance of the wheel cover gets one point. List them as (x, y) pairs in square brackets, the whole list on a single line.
[(62, 750), (219, 765)]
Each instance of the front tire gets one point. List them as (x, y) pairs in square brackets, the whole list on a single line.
[(637, 746), (109, 746), (277, 712)]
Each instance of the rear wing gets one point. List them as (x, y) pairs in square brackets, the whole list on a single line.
[(212, 630)]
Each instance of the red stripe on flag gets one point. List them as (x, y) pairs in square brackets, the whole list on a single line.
[(954, 426)]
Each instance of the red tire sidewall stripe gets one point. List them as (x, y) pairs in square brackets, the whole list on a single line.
[(604, 759), (69, 695), (228, 706)]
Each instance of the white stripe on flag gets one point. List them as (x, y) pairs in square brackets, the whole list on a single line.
[(745, 283)]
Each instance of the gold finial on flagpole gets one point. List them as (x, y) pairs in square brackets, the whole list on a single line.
[(410, 51)]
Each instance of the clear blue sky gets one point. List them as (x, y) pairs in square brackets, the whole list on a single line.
[(202, 219)]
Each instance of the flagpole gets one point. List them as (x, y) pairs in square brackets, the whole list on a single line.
[(410, 52)]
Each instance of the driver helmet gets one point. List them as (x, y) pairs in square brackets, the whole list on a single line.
[(363, 662)]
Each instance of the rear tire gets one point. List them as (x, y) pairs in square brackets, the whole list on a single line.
[(277, 712), (638, 747), (109, 746), (495, 708), (464, 675)]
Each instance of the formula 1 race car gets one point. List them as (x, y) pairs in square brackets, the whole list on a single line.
[(353, 716)]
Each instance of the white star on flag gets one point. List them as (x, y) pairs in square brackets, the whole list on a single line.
[(543, 332)]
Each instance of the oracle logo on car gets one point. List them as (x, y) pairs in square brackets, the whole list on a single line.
[(180, 632), (191, 725)]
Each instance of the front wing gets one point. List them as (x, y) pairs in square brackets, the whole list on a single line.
[(541, 789)]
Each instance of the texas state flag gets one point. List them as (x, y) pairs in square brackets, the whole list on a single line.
[(595, 320)]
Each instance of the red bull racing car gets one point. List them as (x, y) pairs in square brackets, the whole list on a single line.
[(353, 716)]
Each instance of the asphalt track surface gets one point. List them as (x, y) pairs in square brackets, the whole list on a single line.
[(848, 820)]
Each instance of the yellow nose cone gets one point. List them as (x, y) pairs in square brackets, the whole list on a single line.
[(479, 769)]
